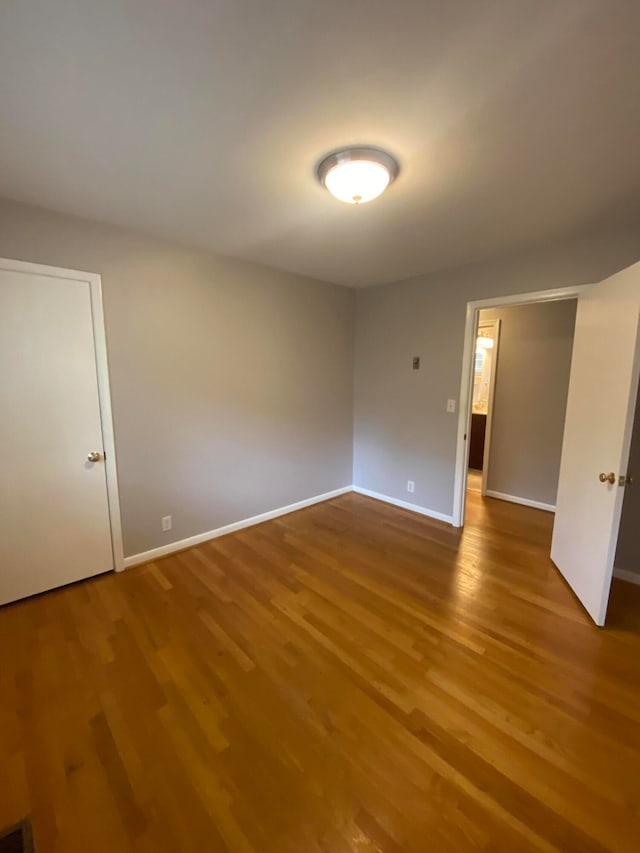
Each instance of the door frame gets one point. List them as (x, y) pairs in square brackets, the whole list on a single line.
[(495, 326), (474, 307), (104, 392)]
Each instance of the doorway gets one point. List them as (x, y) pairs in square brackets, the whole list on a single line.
[(522, 364), (603, 386), (59, 512), (480, 315), (485, 363)]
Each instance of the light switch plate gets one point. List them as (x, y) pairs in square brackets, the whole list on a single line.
[(451, 406)]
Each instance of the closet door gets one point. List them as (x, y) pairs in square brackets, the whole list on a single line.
[(54, 509)]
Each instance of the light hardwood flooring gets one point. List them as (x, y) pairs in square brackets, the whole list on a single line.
[(474, 480), (351, 677)]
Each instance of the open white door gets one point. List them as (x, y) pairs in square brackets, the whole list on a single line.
[(597, 437)]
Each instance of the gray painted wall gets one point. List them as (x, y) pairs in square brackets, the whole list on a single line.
[(532, 383), (628, 550), (231, 383), (402, 430)]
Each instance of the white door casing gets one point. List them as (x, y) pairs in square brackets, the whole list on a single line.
[(597, 436), (59, 516), (466, 383)]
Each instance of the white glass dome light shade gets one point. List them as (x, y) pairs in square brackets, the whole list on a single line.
[(357, 175), (357, 181)]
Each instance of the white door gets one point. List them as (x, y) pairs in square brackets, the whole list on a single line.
[(54, 511), (597, 437)]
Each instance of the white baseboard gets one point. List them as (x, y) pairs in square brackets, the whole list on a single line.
[(524, 501), (439, 516), (625, 575), (163, 550)]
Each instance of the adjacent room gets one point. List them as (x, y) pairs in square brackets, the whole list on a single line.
[(522, 364), (319, 443)]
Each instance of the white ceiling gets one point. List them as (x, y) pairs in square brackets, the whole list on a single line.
[(515, 121)]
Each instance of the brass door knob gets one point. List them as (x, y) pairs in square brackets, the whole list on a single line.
[(94, 456), (608, 478)]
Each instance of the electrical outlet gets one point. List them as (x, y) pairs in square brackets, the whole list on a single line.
[(451, 406), (166, 522), (411, 486)]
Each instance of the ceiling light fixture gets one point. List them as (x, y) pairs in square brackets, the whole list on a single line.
[(358, 174)]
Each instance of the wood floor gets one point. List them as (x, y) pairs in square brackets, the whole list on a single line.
[(351, 677), (474, 480)]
